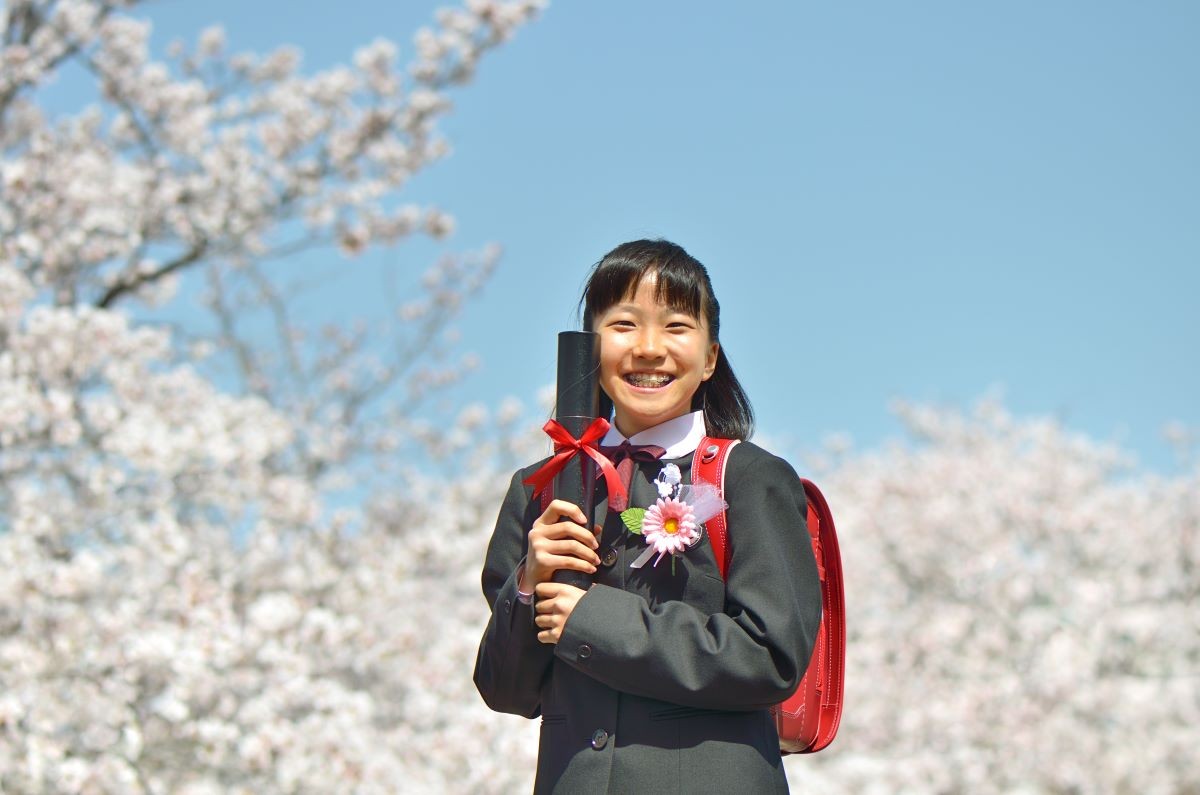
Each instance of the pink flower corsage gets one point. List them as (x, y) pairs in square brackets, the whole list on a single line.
[(673, 523), (669, 526)]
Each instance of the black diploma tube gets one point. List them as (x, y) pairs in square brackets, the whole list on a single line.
[(576, 407)]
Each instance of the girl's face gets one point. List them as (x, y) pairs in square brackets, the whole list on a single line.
[(652, 359)]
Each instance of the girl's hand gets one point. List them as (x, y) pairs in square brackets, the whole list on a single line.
[(557, 540), (555, 601)]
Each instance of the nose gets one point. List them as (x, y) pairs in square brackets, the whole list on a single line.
[(648, 345)]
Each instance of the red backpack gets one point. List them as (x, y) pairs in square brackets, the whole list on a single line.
[(808, 720)]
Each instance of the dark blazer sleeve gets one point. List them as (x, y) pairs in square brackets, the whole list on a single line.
[(511, 663), (754, 653)]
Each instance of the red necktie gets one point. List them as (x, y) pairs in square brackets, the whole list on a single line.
[(623, 455)]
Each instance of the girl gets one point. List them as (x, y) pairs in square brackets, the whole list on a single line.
[(657, 678)]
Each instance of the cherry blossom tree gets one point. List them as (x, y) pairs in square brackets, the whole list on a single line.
[(1022, 614), (189, 600)]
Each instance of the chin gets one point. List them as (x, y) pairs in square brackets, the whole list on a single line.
[(648, 418)]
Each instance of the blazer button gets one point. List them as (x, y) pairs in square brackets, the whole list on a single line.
[(585, 651), (507, 605), (609, 557), (599, 739)]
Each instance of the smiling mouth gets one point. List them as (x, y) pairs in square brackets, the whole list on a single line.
[(648, 380)]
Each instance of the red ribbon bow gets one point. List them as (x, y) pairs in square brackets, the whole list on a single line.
[(567, 447)]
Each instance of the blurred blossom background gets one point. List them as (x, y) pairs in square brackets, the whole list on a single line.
[(279, 285)]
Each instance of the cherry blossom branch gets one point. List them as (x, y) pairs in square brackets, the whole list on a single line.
[(22, 26), (131, 282)]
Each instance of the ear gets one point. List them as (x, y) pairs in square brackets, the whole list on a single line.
[(710, 360)]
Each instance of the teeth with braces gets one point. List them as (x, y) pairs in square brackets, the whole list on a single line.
[(648, 379)]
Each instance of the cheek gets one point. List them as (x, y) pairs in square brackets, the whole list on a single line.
[(610, 358), (700, 361), (608, 370)]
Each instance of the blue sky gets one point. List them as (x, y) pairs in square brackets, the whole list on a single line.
[(926, 200)]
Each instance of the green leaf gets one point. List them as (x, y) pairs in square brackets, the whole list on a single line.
[(632, 517)]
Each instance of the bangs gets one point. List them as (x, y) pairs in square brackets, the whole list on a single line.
[(679, 283)]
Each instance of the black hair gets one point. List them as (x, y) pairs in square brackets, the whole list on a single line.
[(682, 283)]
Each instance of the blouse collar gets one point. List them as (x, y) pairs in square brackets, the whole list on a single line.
[(679, 436)]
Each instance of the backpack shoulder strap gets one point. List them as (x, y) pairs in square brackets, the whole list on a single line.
[(708, 466)]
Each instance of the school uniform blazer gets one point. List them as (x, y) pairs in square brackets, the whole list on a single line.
[(662, 678)]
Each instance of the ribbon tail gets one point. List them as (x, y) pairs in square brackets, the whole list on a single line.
[(539, 480), (611, 478), (642, 558)]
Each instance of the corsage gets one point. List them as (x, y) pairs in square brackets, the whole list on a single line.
[(674, 522)]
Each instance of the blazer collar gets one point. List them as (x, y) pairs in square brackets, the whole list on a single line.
[(678, 437)]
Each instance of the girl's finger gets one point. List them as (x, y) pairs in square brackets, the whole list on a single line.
[(569, 547), (569, 529), (560, 509), (554, 562), (540, 536)]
